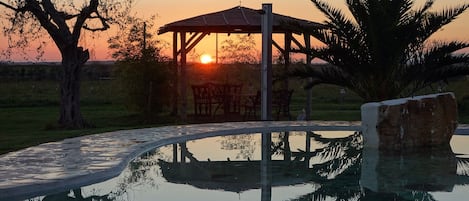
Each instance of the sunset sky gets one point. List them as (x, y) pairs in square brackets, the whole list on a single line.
[(170, 11)]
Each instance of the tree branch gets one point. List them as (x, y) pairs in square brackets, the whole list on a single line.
[(9, 6), (56, 16), (85, 14)]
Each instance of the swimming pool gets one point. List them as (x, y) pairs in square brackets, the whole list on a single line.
[(301, 165)]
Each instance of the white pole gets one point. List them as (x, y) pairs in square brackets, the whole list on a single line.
[(266, 65)]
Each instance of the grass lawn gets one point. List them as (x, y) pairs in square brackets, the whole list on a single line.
[(29, 109), (26, 126)]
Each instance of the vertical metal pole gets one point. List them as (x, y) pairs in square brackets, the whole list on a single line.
[(309, 93), (266, 66)]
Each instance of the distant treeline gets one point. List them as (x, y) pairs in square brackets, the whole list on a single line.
[(51, 72)]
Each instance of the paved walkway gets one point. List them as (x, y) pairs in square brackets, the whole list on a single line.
[(75, 162)]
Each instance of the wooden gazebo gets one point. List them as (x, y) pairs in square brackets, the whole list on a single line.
[(237, 20)]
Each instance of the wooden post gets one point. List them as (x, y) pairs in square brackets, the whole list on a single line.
[(183, 79), (183, 152), (175, 153), (175, 75), (286, 56)]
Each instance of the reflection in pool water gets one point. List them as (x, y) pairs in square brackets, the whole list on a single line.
[(302, 166)]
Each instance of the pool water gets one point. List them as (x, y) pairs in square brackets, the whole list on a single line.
[(325, 165)]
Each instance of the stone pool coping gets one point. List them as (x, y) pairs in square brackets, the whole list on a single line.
[(79, 161)]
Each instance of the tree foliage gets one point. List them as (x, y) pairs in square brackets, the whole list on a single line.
[(383, 50), (143, 72), (63, 21), (28, 22), (242, 50)]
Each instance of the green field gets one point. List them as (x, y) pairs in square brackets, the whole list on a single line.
[(29, 109)]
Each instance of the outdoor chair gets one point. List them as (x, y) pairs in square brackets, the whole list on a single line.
[(232, 104), (217, 93), (202, 100), (226, 97)]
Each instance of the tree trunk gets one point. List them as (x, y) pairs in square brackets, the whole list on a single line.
[(73, 58)]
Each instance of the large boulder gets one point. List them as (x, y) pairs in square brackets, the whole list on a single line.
[(408, 123)]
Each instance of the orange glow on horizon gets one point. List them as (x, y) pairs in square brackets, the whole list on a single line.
[(171, 11), (206, 59)]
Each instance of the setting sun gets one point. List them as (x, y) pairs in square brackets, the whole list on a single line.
[(206, 58)]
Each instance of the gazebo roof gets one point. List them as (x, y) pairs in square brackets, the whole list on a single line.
[(235, 20)]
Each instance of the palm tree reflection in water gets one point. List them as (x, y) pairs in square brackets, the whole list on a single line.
[(341, 168)]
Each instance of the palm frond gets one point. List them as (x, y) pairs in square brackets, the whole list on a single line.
[(335, 16), (440, 62), (339, 25), (380, 50), (463, 166), (434, 21)]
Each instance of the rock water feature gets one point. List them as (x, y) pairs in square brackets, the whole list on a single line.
[(409, 123), (407, 144)]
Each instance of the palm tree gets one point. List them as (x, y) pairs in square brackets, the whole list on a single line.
[(383, 50)]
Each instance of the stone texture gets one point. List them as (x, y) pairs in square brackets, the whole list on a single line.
[(405, 124)]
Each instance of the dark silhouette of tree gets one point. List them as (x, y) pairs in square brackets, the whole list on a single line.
[(383, 50), (143, 72), (244, 143), (64, 22)]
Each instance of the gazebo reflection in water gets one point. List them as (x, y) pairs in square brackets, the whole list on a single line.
[(341, 169), (326, 165)]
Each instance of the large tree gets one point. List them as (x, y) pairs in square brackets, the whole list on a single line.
[(64, 21), (382, 51)]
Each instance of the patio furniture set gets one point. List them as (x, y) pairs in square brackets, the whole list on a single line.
[(228, 100)]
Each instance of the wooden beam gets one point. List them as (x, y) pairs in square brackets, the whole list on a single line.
[(193, 35), (300, 46), (193, 44), (276, 45)]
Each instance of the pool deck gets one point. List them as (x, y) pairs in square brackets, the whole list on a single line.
[(75, 162)]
